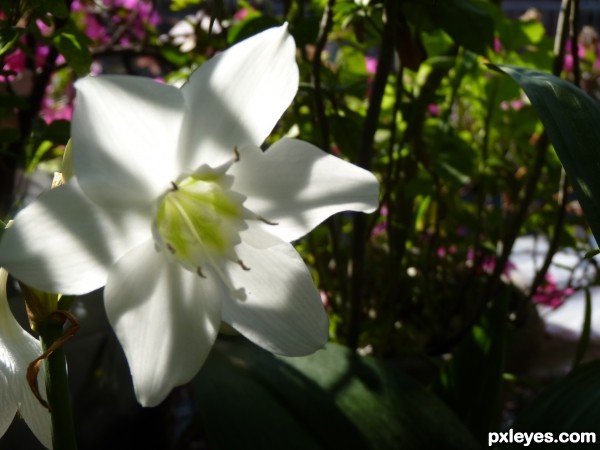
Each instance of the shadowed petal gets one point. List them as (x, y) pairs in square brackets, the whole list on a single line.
[(165, 317), (297, 186), (281, 310), (63, 243), (124, 135), (237, 97)]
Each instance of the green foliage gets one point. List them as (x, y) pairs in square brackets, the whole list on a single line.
[(73, 45), (570, 117), (250, 399), (569, 405)]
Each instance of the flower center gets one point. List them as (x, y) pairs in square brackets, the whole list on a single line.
[(199, 220)]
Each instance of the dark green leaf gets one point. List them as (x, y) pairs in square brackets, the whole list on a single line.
[(58, 132), (471, 382), (571, 119), (466, 22), (570, 405), (334, 399), (253, 24), (592, 253), (57, 8), (586, 330)]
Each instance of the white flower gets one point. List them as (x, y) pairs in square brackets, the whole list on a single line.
[(176, 210), (183, 33), (17, 350)]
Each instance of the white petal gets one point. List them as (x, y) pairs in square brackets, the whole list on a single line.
[(9, 404), (165, 317), (298, 186), (237, 97), (17, 350), (257, 236), (281, 310), (35, 415), (124, 135), (63, 243)]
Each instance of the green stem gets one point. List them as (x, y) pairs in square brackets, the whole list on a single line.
[(57, 389)]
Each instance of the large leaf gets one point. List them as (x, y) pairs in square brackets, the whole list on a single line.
[(249, 399), (469, 24), (471, 382), (572, 120), (571, 405)]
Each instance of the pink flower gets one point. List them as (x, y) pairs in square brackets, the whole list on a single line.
[(241, 14), (433, 109), (381, 228), (15, 61), (497, 45), (371, 64), (549, 294)]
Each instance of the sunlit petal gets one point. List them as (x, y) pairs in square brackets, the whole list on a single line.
[(297, 186), (63, 243), (165, 317), (124, 135), (281, 310), (9, 404), (237, 97)]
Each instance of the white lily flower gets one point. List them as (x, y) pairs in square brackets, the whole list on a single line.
[(185, 220), (17, 350)]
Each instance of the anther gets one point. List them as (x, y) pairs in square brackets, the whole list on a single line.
[(237, 153), (174, 186), (199, 272), (170, 248), (268, 222), (242, 265)]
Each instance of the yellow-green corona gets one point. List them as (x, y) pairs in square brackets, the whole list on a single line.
[(199, 220)]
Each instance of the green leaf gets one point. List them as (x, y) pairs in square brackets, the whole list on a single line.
[(471, 381), (250, 399), (586, 330), (571, 119), (73, 45), (570, 405), (254, 23), (9, 37), (467, 22), (57, 8)]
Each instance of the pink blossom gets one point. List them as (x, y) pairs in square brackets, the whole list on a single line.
[(241, 14), (381, 228), (497, 45), (57, 103), (15, 61), (433, 109), (568, 63), (515, 105), (549, 294), (371, 64)]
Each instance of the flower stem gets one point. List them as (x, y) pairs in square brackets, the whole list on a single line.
[(57, 388)]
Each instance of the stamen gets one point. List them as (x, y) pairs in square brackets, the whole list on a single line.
[(170, 248), (237, 154), (268, 222), (174, 186), (242, 265), (199, 272)]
